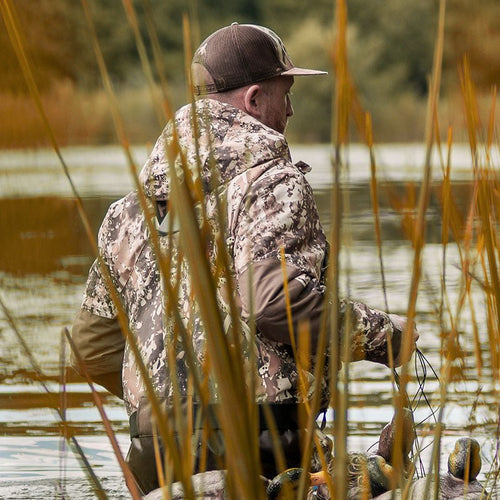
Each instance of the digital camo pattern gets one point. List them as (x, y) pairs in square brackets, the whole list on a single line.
[(236, 162)]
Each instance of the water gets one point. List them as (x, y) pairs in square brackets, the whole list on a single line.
[(44, 258)]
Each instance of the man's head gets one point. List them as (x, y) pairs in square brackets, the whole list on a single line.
[(248, 66)]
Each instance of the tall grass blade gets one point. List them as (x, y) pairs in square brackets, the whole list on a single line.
[(342, 106), (419, 231), (145, 64), (157, 57), (375, 207), (63, 404), (234, 418), (53, 403), (105, 420), (485, 198), (164, 427)]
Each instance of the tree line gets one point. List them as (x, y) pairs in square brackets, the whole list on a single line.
[(390, 45)]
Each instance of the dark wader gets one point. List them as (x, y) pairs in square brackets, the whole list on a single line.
[(141, 457)]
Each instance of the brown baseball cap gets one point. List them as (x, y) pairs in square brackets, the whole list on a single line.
[(238, 55)]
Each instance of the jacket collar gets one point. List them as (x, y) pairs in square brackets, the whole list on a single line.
[(221, 143)]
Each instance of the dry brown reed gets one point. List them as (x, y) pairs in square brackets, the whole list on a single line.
[(105, 420), (339, 388), (53, 402)]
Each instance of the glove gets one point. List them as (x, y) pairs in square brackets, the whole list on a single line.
[(399, 323)]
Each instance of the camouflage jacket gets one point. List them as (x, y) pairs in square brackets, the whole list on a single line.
[(269, 211)]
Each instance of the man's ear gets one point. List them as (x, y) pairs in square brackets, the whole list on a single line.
[(251, 100)]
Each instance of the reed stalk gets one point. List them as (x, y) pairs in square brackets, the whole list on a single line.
[(53, 404), (158, 60), (376, 210), (105, 420), (228, 370), (339, 139), (8, 13), (145, 64), (419, 232), (164, 428)]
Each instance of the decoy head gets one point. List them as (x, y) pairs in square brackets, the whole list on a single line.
[(284, 485), (464, 462), (380, 474), (369, 474), (388, 436)]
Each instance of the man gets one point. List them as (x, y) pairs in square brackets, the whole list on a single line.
[(233, 145)]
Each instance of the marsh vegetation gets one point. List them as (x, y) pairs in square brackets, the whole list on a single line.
[(414, 227)]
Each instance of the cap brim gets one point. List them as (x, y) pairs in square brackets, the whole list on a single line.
[(303, 72)]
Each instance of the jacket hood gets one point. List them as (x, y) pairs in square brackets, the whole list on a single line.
[(222, 141)]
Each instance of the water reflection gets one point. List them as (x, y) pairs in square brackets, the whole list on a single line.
[(45, 255), (45, 234), (39, 467)]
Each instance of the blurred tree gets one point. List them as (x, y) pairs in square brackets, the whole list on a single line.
[(287, 17), (390, 48), (400, 36), (52, 33), (241, 11), (57, 40), (117, 40), (57, 37), (473, 30), (309, 46)]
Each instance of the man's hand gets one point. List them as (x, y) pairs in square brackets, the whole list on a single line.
[(407, 347)]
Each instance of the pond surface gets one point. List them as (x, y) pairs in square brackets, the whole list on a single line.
[(44, 258)]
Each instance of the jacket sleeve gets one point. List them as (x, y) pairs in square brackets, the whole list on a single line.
[(280, 211), (100, 344), (96, 331)]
